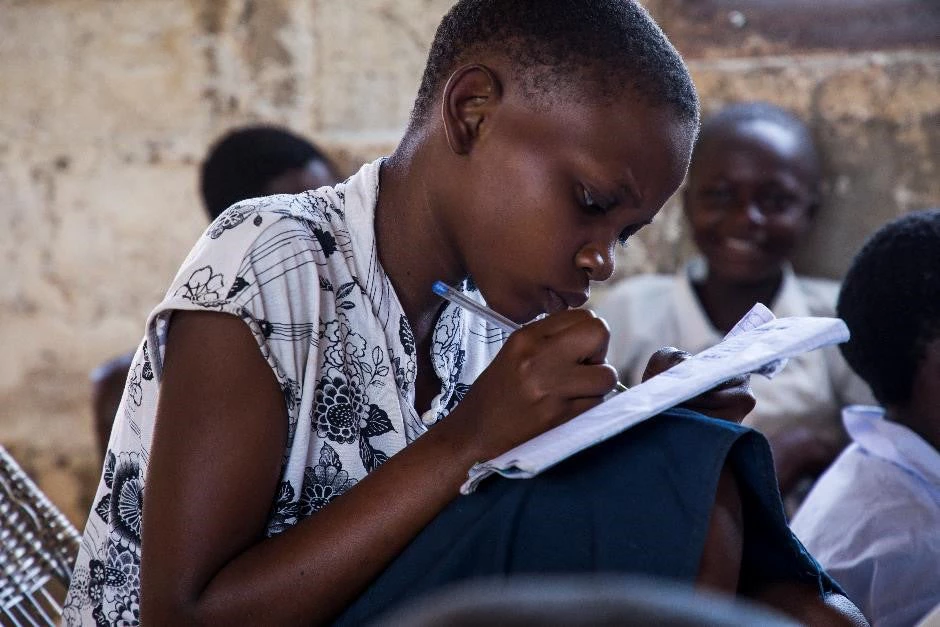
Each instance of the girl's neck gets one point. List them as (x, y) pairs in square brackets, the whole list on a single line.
[(725, 302), (412, 244)]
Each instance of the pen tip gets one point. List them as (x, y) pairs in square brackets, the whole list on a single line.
[(439, 287)]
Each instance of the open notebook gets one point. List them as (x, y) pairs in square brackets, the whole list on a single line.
[(759, 343)]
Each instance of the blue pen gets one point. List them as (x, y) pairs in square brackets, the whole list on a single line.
[(458, 298)]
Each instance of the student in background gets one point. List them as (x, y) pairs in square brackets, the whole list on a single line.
[(246, 162), (751, 194), (311, 407), (873, 518)]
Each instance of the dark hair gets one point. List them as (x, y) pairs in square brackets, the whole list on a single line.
[(890, 300), (743, 112), (612, 44), (242, 163)]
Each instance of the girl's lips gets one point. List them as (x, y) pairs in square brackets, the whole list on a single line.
[(564, 300), (555, 302)]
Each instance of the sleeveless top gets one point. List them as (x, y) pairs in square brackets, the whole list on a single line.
[(303, 273)]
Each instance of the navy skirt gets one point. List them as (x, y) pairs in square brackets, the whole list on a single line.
[(639, 503)]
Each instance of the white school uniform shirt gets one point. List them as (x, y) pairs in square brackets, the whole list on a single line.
[(932, 619), (873, 520), (647, 312), (303, 273)]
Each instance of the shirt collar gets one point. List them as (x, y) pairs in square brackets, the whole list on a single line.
[(359, 196), (449, 342), (892, 442)]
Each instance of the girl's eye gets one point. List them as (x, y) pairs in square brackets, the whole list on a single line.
[(595, 207), (590, 203), (626, 234)]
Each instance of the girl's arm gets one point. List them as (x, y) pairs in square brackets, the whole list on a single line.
[(720, 567), (216, 458)]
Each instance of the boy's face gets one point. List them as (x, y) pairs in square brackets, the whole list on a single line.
[(750, 198), (543, 196)]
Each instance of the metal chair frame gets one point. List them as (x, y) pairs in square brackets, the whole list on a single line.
[(37, 548)]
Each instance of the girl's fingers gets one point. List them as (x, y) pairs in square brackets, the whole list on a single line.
[(664, 359), (588, 381), (584, 342), (742, 381)]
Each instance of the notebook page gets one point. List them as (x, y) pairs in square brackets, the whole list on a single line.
[(758, 315), (747, 351)]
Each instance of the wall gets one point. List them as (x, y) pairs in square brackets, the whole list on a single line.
[(108, 107)]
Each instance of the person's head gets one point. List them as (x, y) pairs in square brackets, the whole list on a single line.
[(890, 300), (752, 190), (557, 127), (258, 161)]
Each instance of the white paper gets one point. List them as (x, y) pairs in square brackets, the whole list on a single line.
[(757, 342), (758, 315)]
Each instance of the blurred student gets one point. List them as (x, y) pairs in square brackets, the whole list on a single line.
[(873, 518), (751, 194), (246, 162)]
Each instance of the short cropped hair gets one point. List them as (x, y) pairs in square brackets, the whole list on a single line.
[(754, 111), (890, 300), (611, 45), (243, 161)]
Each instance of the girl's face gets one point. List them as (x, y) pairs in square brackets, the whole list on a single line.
[(550, 193), (749, 200)]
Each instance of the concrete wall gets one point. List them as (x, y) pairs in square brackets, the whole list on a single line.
[(107, 108)]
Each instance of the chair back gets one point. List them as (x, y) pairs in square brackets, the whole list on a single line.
[(38, 546)]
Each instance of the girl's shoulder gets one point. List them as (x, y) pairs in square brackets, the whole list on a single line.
[(257, 260), (322, 208), (265, 232)]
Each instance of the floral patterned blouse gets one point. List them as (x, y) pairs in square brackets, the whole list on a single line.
[(303, 273)]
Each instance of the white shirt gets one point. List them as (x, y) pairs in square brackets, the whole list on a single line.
[(932, 619), (303, 273), (873, 520), (647, 312)]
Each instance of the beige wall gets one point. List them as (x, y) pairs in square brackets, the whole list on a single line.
[(106, 108)]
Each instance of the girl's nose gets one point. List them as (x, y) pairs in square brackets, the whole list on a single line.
[(596, 261)]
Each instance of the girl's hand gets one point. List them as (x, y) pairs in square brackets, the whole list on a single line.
[(732, 400), (548, 372)]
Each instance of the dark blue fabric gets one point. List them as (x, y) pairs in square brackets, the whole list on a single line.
[(638, 503)]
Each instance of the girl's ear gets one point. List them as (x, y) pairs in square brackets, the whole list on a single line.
[(469, 98)]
